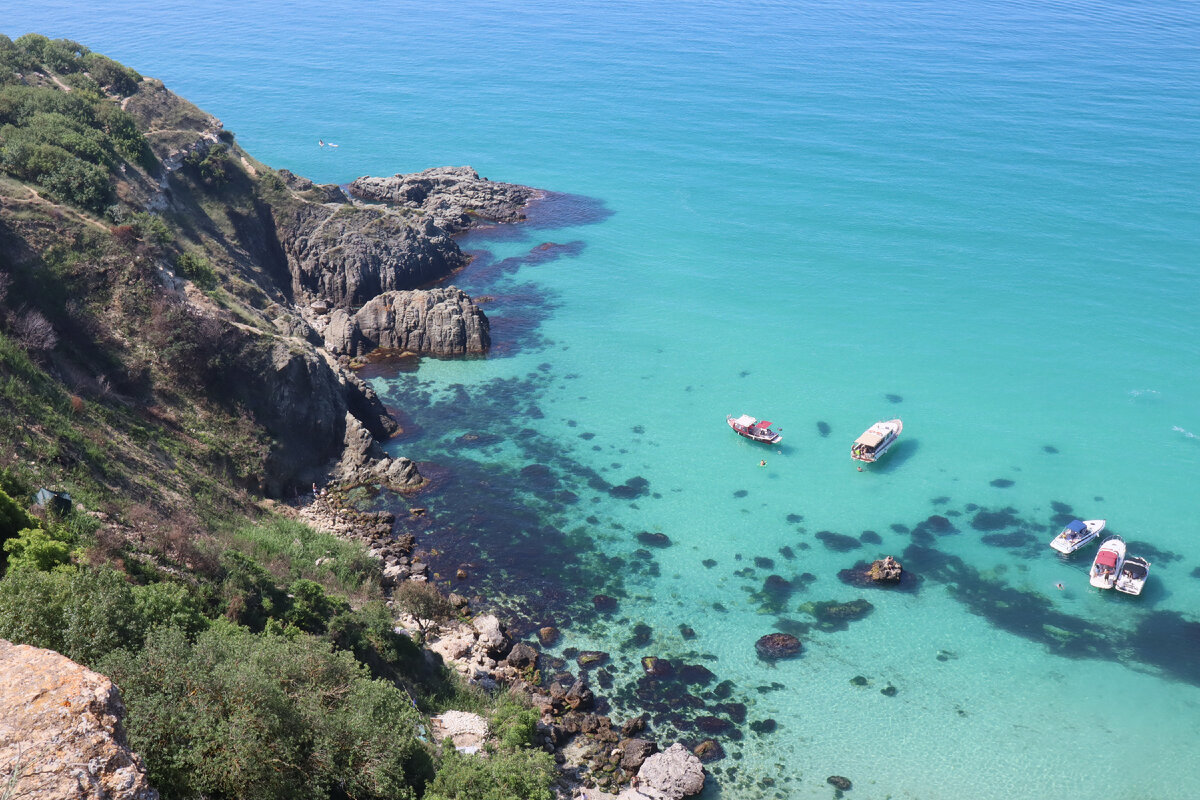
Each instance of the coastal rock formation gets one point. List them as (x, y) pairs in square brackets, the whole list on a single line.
[(777, 645), (672, 774), (348, 255), (455, 197), (60, 731), (439, 322)]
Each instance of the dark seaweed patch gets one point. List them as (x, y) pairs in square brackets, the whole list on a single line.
[(1002, 483), (741, 493), (762, 562), (633, 488), (1017, 540), (899, 527), (1150, 552), (838, 542), (941, 500), (870, 537), (794, 518), (894, 398), (787, 553), (998, 520), (709, 563), (654, 539), (823, 428), (1049, 448), (833, 616)]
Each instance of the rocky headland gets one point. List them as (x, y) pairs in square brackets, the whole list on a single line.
[(454, 197)]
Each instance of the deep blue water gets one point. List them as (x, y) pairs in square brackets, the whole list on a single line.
[(979, 217)]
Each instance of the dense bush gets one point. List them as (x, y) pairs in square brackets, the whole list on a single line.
[(197, 269), (13, 518), (114, 77), (237, 715), (502, 775)]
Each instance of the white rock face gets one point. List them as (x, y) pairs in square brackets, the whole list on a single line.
[(672, 774)]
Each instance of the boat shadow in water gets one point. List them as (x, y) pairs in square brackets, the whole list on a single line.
[(896, 456)]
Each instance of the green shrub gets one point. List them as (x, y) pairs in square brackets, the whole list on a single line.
[(114, 77), (37, 549), (63, 55), (243, 715), (197, 269), (33, 45), (513, 723), (168, 604), (80, 612), (13, 517), (502, 775)]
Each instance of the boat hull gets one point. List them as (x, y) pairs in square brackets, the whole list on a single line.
[(890, 432), (1133, 575), (760, 435), (1067, 545)]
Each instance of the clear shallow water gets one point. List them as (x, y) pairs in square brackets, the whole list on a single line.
[(986, 210)]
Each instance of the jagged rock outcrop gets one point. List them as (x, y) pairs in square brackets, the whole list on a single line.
[(672, 774), (440, 322), (455, 197), (363, 462), (60, 731), (348, 255)]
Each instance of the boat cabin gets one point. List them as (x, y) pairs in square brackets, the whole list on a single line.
[(1074, 529), (866, 445)]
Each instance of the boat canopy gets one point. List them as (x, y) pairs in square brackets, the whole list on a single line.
[(870, 438), (1106, 558), (764, 424), (745, 420), (1076, 526)]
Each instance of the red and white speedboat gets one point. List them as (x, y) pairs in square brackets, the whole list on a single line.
[(1107, 564), (751, 428)]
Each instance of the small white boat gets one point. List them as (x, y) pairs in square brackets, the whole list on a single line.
[(1133, 575), (876, 440), (1077, 534), (1107, 564), (751, 428)]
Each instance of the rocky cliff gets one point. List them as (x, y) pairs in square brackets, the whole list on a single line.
[(60, 731), (440, 322), (454, 197), (347, 255), (188, 303)]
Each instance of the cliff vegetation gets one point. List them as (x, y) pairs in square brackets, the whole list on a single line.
[(160, 298)]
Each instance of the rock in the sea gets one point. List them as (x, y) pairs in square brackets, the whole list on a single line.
[(439, 322), (838, 782), (60, 726), (672, 774), (548, 635), (774, 646), (885, 570), (709, 750), (455, 197)]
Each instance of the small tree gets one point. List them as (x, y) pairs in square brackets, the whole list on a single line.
[(425, 603)]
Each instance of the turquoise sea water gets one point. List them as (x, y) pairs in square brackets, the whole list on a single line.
[(980, 217)]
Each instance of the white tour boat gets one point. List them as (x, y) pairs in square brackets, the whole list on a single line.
[(751, 428), (1133, 575), (1077, 534), (876, 440), (1107, 564)]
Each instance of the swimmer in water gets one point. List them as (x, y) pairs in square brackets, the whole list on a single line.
[(762, 463), (1059, 585)]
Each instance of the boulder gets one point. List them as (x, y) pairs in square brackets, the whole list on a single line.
[(634, 752), (774, 646), (672, 774), (522, 657), (492, 636), (62, 723), (439, 322), (838, 782), (455, 197), (548, 635)]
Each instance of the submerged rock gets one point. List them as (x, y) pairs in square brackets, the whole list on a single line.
[(775, 646), (838, 782)]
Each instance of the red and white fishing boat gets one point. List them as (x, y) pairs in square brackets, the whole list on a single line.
[(876, 440), (751, 428), (1107, 564)]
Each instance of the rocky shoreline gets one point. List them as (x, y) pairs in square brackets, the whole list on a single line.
[(598, 757)]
